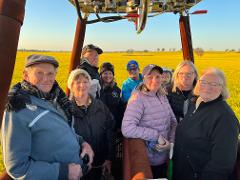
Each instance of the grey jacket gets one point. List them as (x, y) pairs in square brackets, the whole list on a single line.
[(37, 142)]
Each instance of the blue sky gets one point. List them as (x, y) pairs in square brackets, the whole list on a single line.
[(50, 25)]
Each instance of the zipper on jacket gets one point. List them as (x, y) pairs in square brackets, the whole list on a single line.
[(195, 174)]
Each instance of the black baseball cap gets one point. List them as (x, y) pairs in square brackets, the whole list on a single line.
[(91, 47)]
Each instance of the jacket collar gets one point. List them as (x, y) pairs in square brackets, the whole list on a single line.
[(139, 79), (77, 110), (181, 92), (110, 86), (46, 105), (85, 61), (205, 104), (147, 92)]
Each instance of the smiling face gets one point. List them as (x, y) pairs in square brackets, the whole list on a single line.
[(107, 77), (41, 75), (153, 81), (133, 73), (80, 86), (186, 76), (93, 57), (210, 87)]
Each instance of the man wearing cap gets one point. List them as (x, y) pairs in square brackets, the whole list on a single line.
[(38, 142), (89, 62), (132, 82)]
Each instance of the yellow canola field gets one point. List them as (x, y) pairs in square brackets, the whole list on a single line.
[(229, 62)]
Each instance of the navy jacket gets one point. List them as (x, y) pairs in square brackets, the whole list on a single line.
[(206, 142), (110, 96), (95, 124)]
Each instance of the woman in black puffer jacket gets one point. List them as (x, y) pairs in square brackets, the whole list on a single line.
[(94, 122)]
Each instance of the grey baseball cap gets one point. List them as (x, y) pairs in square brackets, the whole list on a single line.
[(37, 59)]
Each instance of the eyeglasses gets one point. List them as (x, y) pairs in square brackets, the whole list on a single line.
[(207, 83), (188, 74)]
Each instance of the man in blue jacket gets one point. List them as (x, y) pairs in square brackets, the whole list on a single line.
[(37, 138), (132, 82)]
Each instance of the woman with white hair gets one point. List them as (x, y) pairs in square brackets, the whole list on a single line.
[(93, 121), (206, 139), (183, 81)]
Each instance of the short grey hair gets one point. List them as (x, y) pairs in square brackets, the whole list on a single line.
[(221, 76), (175, 82)]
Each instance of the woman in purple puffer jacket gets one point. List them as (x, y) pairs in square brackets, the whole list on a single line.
[(149, 117)]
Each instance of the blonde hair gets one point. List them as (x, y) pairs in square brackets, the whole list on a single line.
[(75, 74), (178, 68), (222, 79)]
